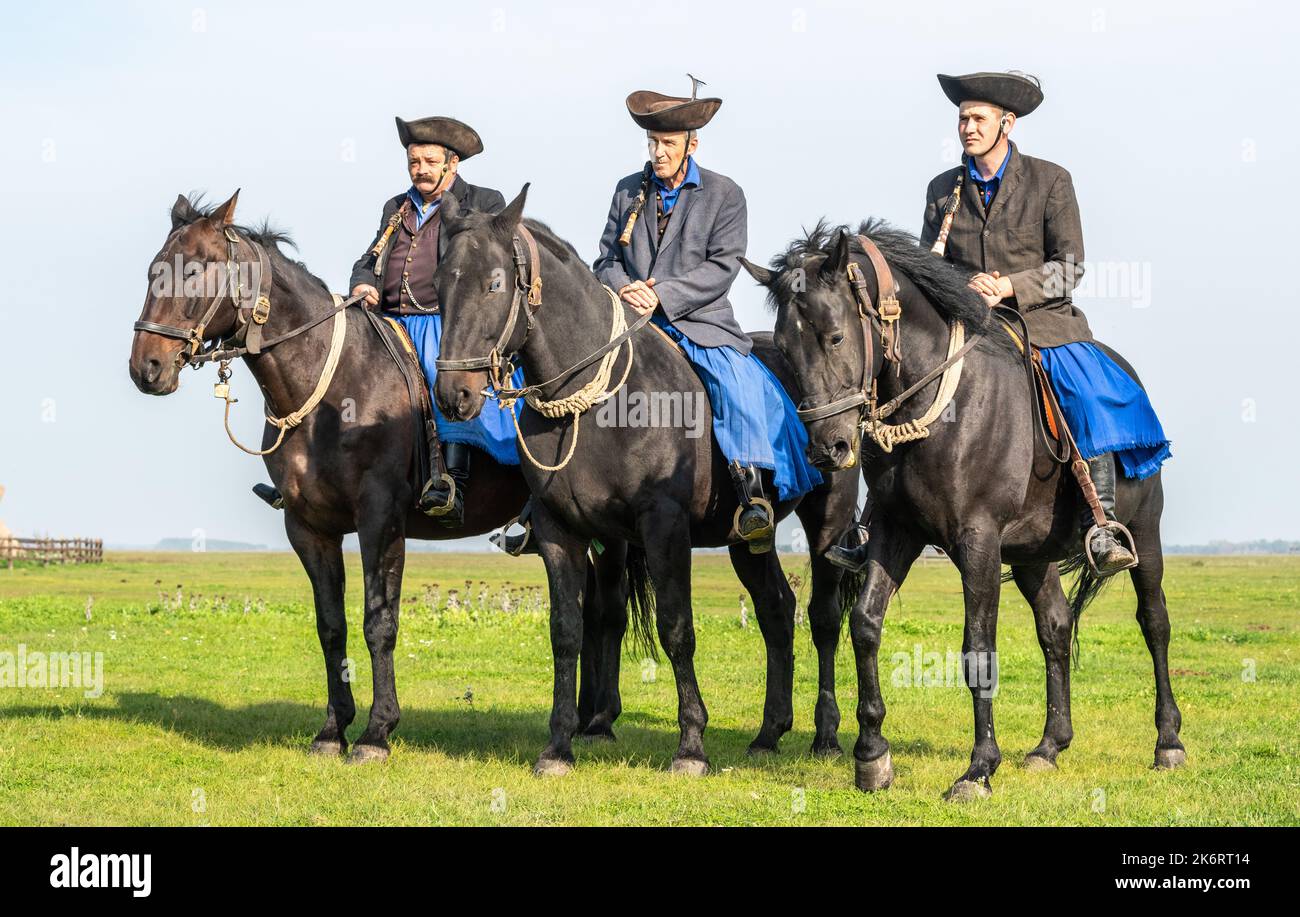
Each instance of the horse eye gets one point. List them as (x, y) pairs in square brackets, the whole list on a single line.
[(837, 339)]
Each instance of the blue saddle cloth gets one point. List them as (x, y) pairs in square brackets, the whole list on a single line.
[(754, 420), (492, 431), (1106, 409)]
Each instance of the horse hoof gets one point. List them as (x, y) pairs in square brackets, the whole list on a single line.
[(827, 750), (327, 749), (877, 774), (1039, 763), (760, 751), (691, 767), (551, 767), (1169, 758), (967, 790), (599, 737), (367, 754)]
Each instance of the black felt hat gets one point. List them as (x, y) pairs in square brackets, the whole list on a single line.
[(446, 132), (655, 111), (1016, 93)]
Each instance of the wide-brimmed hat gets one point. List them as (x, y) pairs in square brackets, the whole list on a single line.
[(655, 111), (1015, 92), (446, 132)]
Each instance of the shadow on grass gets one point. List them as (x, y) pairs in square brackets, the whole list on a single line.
[(516, 736)]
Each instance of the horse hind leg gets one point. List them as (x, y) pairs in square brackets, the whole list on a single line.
[(1153, 618), (605, 610), (762, 577), (1040, 584), (322, 558)]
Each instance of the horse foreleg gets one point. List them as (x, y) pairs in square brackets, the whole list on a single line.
[(565, 557), (382, 535), (891, 554), (762, 577), (977, 555), (322, 558), (1040, 584)]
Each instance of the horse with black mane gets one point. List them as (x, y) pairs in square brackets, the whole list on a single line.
[(972, 473), (345, 461), (645, 494)]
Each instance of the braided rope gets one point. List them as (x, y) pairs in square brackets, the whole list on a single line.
[(581, 401), (289, 421), (887, 435)]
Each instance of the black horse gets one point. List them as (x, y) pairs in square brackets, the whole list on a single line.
[(983, 486), (647, 494), (346, 468)]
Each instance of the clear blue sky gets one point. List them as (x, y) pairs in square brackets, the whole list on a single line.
[(1177, 121)]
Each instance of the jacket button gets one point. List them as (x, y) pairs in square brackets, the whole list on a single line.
[(408, 257), (986, 235)]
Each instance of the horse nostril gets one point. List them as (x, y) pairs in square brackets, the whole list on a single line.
[(152, 370), (841, 447)]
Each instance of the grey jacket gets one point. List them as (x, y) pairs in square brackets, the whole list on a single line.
[(1031, 234), (470, 197), (695, 264)]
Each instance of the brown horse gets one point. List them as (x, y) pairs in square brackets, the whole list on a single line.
[(347, 467)]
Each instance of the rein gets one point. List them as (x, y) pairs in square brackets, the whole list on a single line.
[(500, 367), (886, 321), (248, 338)]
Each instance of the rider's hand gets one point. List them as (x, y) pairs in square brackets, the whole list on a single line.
[(371, 294), (987, 287), (639, 296), (1005, 290)]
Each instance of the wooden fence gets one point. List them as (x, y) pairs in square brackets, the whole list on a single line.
[(46, 551)]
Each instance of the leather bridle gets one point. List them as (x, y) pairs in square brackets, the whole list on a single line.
[(874, 321), (499, 361), (251, 314)]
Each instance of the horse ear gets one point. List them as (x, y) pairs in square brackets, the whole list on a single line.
[(449, 208), (508, 219), (761, 274), (838, 260), (183, 212), (225, 214)]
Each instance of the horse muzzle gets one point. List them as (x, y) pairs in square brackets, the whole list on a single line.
[(154, 368), (459, 393), (836, 450)]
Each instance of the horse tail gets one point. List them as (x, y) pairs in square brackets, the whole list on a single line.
[(1087, 586), (850, 588), (641, 603)]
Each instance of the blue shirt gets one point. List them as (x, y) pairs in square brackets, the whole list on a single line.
[(988, 188), (422, 209), (669, 195)]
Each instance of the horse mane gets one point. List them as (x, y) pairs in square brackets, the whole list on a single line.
[(942, 283), (264, 234), (545, 236)]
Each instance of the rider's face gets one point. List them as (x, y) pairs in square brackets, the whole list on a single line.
[(425, 162), (978, 127), (668, 150)]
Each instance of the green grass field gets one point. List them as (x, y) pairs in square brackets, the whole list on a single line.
[(207, 708)]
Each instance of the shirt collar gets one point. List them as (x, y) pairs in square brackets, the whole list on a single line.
[(422, 210), (692, 176), (997, 176)]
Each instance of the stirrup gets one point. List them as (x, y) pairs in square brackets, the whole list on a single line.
[(270, 495), (512, 544), (1116, 529), (761, 540), (444, 508)]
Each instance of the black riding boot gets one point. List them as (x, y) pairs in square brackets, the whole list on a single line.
[(850, 551), (754, 518), (1108, 553), (270, 495), (444, 496)]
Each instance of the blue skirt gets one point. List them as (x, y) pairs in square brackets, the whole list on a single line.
[(1106, 410), (754, 420), (492, 431)]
